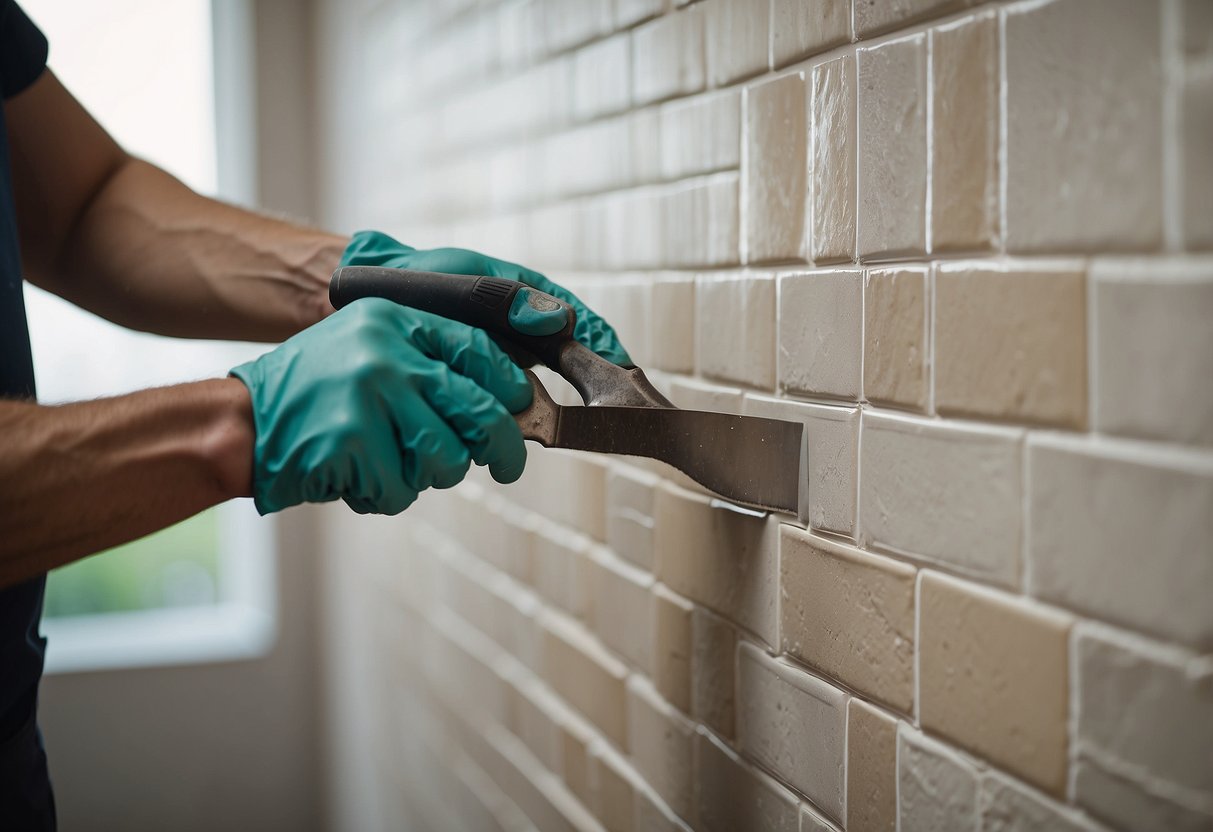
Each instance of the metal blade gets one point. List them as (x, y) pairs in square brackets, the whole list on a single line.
[(746, 459)]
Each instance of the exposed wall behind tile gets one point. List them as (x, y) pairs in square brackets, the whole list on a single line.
[(967, 245)]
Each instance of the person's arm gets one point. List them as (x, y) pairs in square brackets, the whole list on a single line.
[(80, 478), (124, 239)]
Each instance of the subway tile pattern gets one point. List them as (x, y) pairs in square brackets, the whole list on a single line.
[(966, 244)]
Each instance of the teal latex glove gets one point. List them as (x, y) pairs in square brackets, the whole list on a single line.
[(373, 248), (377, 403)]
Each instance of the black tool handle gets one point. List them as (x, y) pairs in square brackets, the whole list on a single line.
[(478, 301), (485, 302)]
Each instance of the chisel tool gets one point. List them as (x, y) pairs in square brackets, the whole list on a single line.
[(757, 462)]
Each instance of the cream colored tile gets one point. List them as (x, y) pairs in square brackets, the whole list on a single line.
[(730, 794), (896, 344), (800, 29), (737, 37), (1144, 730), (661, 741), (875, 16), (937, 790), (667, 56), (821, 333), (780, 712), (1012, 344), (871, 769), (892, 105), (672, 650), (736, 337), (1096, 507), (993, 677), (713, 661), (833, 114), (774, 169), (1151, 315), (849, 614), (964, 164), (673, 324), (1084, 162)]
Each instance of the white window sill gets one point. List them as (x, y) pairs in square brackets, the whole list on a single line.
[(157, 638)]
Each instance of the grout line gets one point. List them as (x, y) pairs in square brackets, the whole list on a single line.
[(929, 200), (1003, 145), (1170, 34)]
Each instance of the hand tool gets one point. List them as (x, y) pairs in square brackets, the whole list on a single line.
[(754, 461)]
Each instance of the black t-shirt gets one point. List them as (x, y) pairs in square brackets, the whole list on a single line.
[(25, 796)]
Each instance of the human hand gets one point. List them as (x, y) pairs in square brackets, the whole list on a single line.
[(377, 403), (373, 248)]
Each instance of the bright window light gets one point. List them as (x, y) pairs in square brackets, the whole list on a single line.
[(144, 69)]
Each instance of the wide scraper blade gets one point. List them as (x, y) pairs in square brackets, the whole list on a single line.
[(746, 459)]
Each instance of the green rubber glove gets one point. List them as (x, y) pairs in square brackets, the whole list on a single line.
[(377, 403), (373, 248)]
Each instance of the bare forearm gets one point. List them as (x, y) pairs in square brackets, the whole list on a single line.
[(150, 254), (124, 239), (79, 478)]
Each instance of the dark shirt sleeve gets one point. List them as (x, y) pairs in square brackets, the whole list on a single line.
[(22, 50)]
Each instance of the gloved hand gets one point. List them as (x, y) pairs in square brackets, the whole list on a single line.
[(373, 248), (377, 403)]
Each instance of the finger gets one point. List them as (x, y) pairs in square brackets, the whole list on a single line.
[(434, 455), (487, 429), (471, 353), (591, 329)]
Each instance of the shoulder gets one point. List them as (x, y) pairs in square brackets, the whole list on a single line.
[(23, 49)]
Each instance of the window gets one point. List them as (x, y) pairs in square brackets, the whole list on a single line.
[(204, 588)]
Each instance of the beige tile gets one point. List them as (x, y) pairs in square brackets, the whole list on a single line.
[(1197, 117), (736, 338), (622, 606), (653, 815), (672, 631), (874, 16), (943, 493), (781, 711), (580, 505), (937, 789), (629, 12), (612, 784), (993, 676), (1012, 345), (645, 147), (736, 37), (673, 324), (774, 169), (1008, 806), (871, 769), (575, 738), (701, 134), (1154, 325), (892, 118), (849, 614), (718, 557), (800, 29), (1084, 162), (693, 394), (629, 494), (820, 333), (667, 56), (1096, 507), (533, 720), (833, 114), (896, 349), (701, 222), (661, 741), (832, 437), (567, 24), (559, 558), (586, 676), (713, 659), (602, 78), (1144, 730), (731, 795), (964, 163)]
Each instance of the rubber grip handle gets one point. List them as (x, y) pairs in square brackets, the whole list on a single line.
[(478, 301)]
